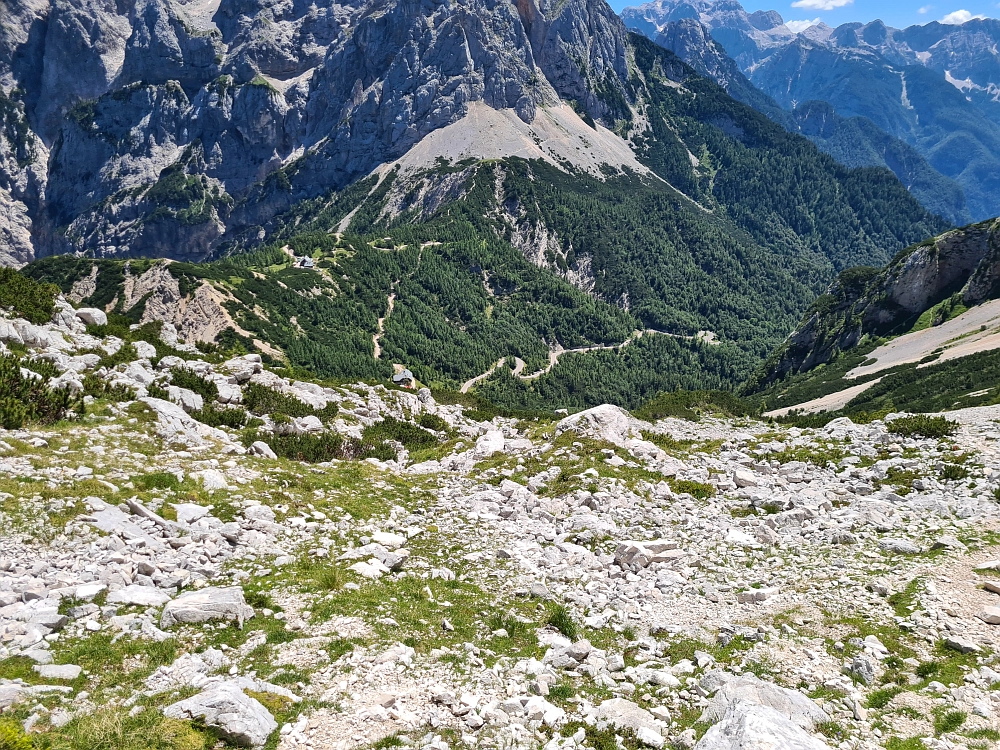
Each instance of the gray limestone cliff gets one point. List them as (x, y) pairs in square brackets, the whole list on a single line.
[(165, 127)]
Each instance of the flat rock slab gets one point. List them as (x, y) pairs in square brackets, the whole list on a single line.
[(790, 704), (111, 520), (142, 596), (622, 714), (898, 546), (58, 671), (212, 603), (990, 615), (239, 718), (746, 726)]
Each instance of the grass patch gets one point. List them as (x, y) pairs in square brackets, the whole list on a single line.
[(948, 721), (112, 728), (905, 601), (158, 480), (560, 618), (832, 731), (878, 699)]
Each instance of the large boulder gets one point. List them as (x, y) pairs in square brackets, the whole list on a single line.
[(790, 704), (237, 717), (92, 316), (606, 422), (746, 726), (212, 603), (175, 425), (622, 714)]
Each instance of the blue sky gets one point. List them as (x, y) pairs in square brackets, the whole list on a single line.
[(898, 13)]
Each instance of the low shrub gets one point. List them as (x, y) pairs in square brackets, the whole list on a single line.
[(158, 480), (234, 417), (922, 425), (432, 422), (410, 435), (12, 737), (28, 399), (691, 405), (260, 400), (99, 388), (185, 378), (327, 446), (27, 298)]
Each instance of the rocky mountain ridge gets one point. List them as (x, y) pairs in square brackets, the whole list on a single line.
[(927, 86), (562, 583), (168, 114), (854, 141)]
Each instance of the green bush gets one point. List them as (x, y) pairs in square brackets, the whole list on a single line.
[(260, 400), (922, 425), (28, 399), (697, 490), (158, 480), (12, 737), (42, 366), (234, 417), (327, 446), (124, 355), (184, 378), (954, 472), (155, 390), (390, 428), (27, 298), (97, 387), (691, 405), (432, 422)]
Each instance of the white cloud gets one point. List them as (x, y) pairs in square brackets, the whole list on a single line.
[(925, 10), (797, 27), (821, 4), (959, 17)]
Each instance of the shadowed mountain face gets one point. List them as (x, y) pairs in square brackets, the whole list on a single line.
[(142, 126), (930, 87)]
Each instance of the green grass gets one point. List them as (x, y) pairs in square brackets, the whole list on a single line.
[(905, 601), (112, 728), (948, 721), (882, 697), (832, 731), (560, 618)]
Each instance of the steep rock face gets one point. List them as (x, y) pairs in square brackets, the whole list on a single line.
[(963, 264), (165, 117)]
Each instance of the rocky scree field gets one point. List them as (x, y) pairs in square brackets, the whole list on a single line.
[(196, 552)]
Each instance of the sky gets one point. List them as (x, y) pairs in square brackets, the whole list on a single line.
[(896, 13)]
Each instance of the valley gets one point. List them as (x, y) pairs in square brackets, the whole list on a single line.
[(497, 376)]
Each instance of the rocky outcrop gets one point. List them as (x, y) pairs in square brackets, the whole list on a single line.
[(224, 706), (958, 267), (165, 120)]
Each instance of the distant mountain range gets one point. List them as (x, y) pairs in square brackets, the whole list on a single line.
[(921, 101)]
